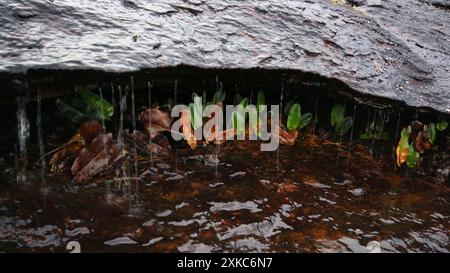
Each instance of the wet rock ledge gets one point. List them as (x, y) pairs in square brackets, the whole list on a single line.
[(391, 49)]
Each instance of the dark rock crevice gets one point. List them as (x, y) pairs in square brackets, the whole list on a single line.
[(55, 83)]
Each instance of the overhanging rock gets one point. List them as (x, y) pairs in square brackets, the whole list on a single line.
[(393, 49)]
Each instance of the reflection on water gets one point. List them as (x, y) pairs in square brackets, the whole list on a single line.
[(308, 205)]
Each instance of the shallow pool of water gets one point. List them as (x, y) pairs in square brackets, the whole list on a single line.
[(315, 196)]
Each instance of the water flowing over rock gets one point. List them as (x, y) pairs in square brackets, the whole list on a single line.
[(393, 49)]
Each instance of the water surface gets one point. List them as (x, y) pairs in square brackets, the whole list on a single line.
[(312, 203)]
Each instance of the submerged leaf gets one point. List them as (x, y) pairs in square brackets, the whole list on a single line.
[(294, 116), (99, 104)]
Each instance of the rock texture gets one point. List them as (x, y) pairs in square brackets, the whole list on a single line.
[(394, 49)]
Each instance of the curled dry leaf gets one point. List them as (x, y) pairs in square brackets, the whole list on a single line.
[(88, 131), (155, 121), (422, 140), (96, 151), (188, 133), (416, 127), (72, 146), (286, 138), (97, 165), (93, 158)]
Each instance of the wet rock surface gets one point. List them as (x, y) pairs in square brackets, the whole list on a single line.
[(397, 50)]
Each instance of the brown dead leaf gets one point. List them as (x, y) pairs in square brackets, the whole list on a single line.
[(416, 127), (72, 146), (90, 129), (98, 145), (313, 140), (287, 187), (287, 138), (137, 137), (95, 166), (422, 140), (155, 121)]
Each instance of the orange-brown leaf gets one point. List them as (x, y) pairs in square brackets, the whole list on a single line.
[(402, 150), (155, 121), (287, 186), (422, 141), (95, 166), (72, 146), (225, 135), (402, 154), (99, 144), (287, 138), (90, 129)]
